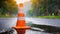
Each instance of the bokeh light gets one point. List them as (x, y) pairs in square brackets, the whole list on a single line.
[(21, 1)]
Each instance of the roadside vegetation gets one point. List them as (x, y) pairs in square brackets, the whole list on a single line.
[(8, 8), (44, 9)]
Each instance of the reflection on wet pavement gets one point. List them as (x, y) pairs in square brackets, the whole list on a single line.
[(39, 32), (36, 32)]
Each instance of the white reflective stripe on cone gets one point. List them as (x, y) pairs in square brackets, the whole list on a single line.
[(21, 18), (20, 12), (20, 9)]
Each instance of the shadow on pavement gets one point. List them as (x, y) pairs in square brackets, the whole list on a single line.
[(47, 28)]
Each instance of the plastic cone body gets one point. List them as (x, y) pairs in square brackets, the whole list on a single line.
[(21, 20), (21, 24)]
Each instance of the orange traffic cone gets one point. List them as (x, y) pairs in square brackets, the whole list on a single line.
[(21, 24)]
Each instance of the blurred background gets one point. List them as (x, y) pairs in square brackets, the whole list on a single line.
[(43, 16)]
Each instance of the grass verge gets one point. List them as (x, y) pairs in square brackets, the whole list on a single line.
[(58, 17), (7, 16)]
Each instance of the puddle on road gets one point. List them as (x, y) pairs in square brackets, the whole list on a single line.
[(47, 29)]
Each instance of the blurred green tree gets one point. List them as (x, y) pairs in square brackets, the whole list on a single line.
[(8, 7), (45, 7)]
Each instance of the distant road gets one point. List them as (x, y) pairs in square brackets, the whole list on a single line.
[(51, 22)]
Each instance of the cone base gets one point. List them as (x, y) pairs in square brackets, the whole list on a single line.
[(22, 29)]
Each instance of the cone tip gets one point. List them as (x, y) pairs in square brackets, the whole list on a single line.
[(21, 4)]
